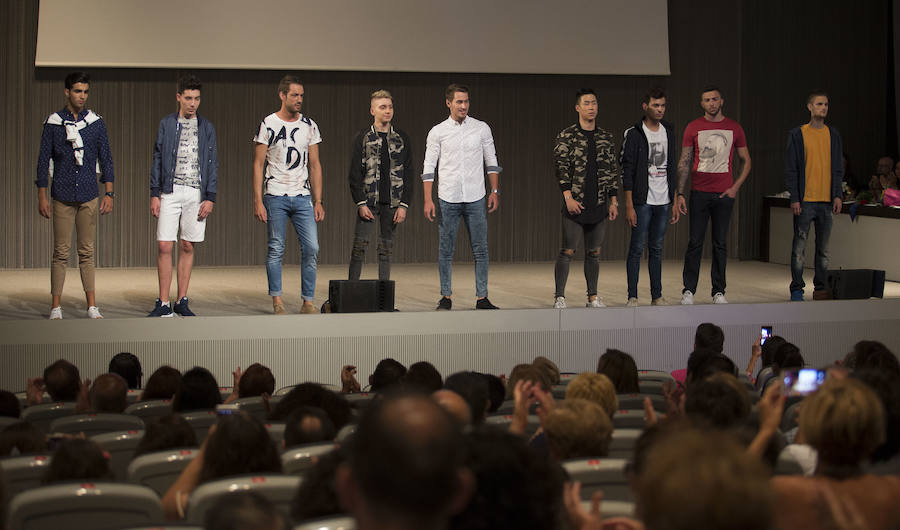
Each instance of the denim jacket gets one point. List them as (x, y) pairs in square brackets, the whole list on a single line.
[(165, 153)]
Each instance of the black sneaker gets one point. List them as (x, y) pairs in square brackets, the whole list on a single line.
[(161, 310), (444, 304), (484, 303), (182, 308)]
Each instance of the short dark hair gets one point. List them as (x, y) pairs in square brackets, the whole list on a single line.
[(77, 77), (719, 401), (424, 376), (198, 391), (298, 432), (316, 496), (767, 352), (653, 93), (78, 459), (787, 356), (166, 432), (875, 355), (388, 373), (453, 89), (709, 336), (162, 384), (240, 444), (23, 437), (256, 381), (813, 94), (695, 363), (474, 390), (496, 391), (189, 82), (886, 386), (284, 86), (9, 405), (62, 381), (314, 395), (109, 393), (128, 366), (245, 510), (621, 369), (712, 88), (583, 92)]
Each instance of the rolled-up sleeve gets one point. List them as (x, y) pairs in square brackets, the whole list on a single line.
[(490, 152), (432, 154)]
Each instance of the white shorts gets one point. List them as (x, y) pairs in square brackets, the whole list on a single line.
[(180, 208)]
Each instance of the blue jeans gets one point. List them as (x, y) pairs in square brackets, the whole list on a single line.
[(475, 217), (705, 207), (299, 210), (820, 214), (650, 231)]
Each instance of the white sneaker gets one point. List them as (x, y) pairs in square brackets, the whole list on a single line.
[(632, 302), (719, 298), (94, 312), (687, 298), (56, 313), (596, 302), (559, 302)]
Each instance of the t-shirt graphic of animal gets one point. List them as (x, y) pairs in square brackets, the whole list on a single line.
[(286, 170)]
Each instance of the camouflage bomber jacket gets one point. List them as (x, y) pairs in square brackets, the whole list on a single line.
[(365, 167), (570, 156)]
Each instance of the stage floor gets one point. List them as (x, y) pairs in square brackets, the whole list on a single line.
[(235, 291)]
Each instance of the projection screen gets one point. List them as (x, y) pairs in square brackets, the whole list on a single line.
[(483, 36)]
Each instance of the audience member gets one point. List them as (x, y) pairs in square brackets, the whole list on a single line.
[(696, 364), (548, 367), (709, 336), (412, 441), (78, 459), (577, 428), (245, 510), (314, 395), (871, 354), (766, 356), (198, 391), (883, 178), (307, 425), (166, 432), (423, 376), (720, 401), (256, 380), (474, 389), (22, 438), (787, 357), (526, 372), (109, 394), (621, 369), (61, 380), (454, 404), (886, 385), (128, 366), (388, 373), (316, 496), (496, 391), (163, 384), (9, 405), (594, 387)]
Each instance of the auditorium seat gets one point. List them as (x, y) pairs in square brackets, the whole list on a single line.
[(359, 400), (225, 391), (654, 375), (622, 443), (345, 432), (651, 386), (6, 421), (42, 415), (507, 407), (636, 402), (566, 377), (279, 489), (600, 474), (98, 505), (335, 522), (159, 470), (628, 419), (789, 417), (504, 421), (284, 390), (558, 391), (610, 509), (298, 460), (147, 410), (276, 433), (254, 406), (120, 445), (24, 472), (91, 424), (133, 395), (201, 421)]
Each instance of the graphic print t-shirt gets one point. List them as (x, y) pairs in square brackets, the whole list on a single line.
[(713, 143), (287, 169), (657, 175), (187, 163)]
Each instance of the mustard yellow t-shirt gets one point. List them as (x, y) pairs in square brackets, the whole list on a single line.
[(817, 144)]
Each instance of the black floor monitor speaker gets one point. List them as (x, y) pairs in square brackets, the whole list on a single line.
[(856, 284), (361, 296)]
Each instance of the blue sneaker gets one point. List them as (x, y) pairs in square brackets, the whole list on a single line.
[(797, 296), (161, 310), (181, 307)]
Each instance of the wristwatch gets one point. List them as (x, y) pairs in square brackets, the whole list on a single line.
[(110, 194), (495, 191)]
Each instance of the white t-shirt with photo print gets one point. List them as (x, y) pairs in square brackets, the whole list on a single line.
[(657, 172), (287, 159)]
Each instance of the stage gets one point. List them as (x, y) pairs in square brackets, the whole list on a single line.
[(235, 326)]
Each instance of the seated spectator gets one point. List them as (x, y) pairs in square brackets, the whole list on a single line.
[(455, 405), (61, 380), (163, 384), (316, 496), (198, 391), (697, 361), (766, 356), (109, 394), (245, 510), (526, 372), (714, 364), (883, 178), (594, 387), (128, 366), (256, 380), (78, 459), (238, 444), (515, 487), (577, 428), (474, 389), (307, 425), (548, 367), (719, 401), (844, 422), (707, 337), (405, 467), (871, 354), (621, 369), (786, 357), (166, 432), (496, 391), (314, 395), (886, 385), (423, 376), (388, 373), (22, 438), (9, 405)]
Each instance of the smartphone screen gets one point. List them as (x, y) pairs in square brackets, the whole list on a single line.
[(803, 382), (765, 332), (227, 410)]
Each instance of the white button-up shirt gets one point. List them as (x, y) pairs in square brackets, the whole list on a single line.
[(462, 150)]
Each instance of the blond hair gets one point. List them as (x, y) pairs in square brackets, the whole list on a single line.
[(578, 428), (378, 94), (594, 387)]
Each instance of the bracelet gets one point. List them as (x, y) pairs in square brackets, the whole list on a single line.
[(319, 201)]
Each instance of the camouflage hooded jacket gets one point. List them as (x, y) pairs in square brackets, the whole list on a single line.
[(365, 167), (570, 156)]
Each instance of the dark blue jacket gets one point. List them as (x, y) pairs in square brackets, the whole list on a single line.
[(635, 162), (795, 164), (165, 153)]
